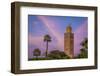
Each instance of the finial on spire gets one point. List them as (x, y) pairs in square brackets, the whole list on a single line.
[(69, 28)]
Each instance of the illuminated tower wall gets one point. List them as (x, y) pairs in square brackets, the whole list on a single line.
[(69, 42)]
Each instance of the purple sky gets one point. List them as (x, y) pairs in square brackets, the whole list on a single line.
[(55, 26)]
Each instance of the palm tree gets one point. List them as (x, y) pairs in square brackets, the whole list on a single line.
[(36, 52), (83, 54), (84, 44), (47, 39), (84, 49)]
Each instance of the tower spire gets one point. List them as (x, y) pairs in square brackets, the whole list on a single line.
[(69, 28)]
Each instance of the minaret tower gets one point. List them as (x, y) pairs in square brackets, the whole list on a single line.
[(69, 42)]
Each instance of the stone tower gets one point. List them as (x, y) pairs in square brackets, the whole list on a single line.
[(69, 42)]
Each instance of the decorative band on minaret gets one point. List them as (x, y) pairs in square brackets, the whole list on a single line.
[(69, 42)]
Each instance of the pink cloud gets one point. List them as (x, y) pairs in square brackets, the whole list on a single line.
[(37, 41)]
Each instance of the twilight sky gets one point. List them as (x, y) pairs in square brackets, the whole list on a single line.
[(55, 26)]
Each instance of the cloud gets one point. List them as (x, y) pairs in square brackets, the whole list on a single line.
[(35, 22), (36, 41)]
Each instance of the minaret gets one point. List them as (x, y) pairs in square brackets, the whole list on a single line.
[(69, 42)]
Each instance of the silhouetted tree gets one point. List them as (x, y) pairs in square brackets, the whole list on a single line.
[(56, 54), (84, 49), (84, 44), (47, 39), (36, 52)]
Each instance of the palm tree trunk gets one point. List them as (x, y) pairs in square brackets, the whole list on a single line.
[(47, 49)]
